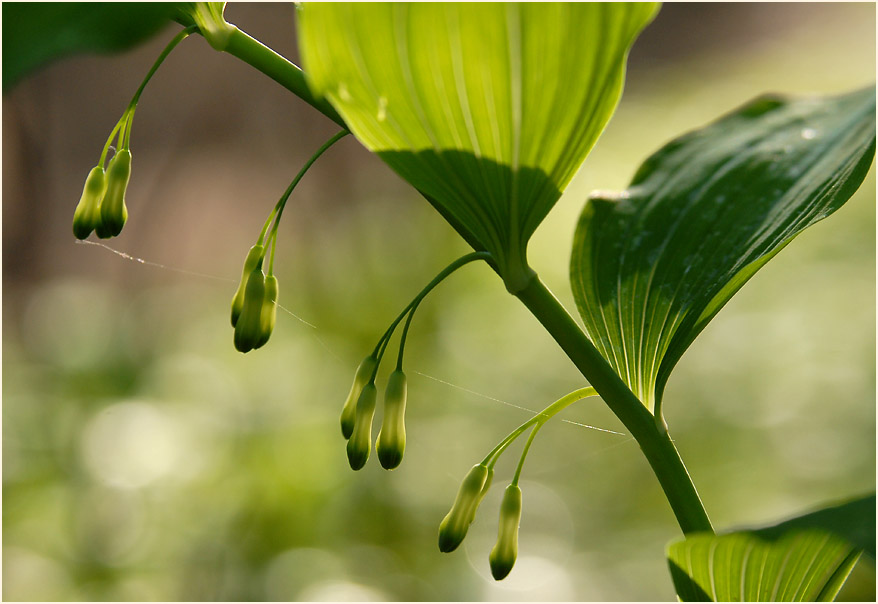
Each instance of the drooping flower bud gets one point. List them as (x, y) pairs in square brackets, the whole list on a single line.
[(456, 523), (391, 437), (248, 328), (505, 552), (360, 443), (349, 411), (269, 311), (88, 213), (114, 213), (253, 257)]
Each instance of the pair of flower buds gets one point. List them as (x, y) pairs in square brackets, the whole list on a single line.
[(456, 523), (359, 409), (254, 306), (102, 206)]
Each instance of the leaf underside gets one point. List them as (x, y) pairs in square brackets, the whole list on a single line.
[(803, 559), (653, 264), (35, 33), (487, 109)]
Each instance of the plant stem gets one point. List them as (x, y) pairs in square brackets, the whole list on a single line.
[(279, 69), (462, 261), (541, 417), (654, 441)]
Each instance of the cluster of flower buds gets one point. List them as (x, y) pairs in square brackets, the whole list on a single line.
[(359, 407), (102, 206), (455, 525), (359, 411), (254, 305)]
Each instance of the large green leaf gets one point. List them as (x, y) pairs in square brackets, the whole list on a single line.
[(804, 559), (653, 264), (487, 109), (36, 32)]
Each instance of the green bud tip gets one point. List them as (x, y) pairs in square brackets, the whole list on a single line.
[(253, 257), (349, 411), (360, 443), (391, 438), (456, 523), (249, 326), (505, 552), (114, 213), (269, 310), (88, 211)]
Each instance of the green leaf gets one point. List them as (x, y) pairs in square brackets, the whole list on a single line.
[(652, 265), (804, 559), (487, 109), (34, 33)]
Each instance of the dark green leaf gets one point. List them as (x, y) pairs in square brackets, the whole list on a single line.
[(853, 521), (652, 265), (34, 33), (806, 558), (487, 109)]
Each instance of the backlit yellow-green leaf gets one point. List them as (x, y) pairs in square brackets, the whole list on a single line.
[(487, 109)]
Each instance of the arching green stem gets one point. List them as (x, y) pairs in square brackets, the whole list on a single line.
[(278, 210), (266, 225), (129, 111), (462, 261), (402, 338), (530, 439), (106, 149), (541, 417), (161, 58), (282, 202)]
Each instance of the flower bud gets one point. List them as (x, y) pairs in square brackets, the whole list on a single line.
[(391, 437), (248, 329), (269, 311), (253, 257), (88, 214), (113, 210), (362, 377), (456, 523), (360, 443), (505, 552), (486, 486)]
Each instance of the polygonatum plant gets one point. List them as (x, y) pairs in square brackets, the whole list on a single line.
[(488, 110)]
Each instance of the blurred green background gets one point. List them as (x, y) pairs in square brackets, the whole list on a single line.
[(145, 459)]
